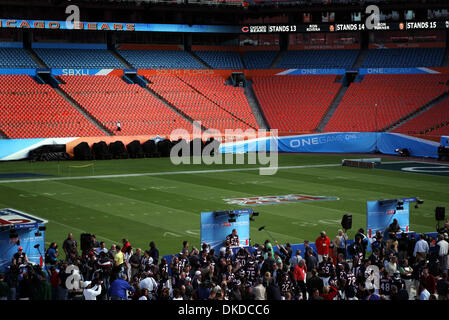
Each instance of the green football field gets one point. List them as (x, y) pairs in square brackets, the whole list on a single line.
[(153, 200)]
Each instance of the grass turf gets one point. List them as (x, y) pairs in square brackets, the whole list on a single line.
[(166, 208)]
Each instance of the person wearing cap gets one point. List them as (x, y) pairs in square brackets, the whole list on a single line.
[(322, 244), (20, 257), (443, 247), (196, 280), (91, 292)]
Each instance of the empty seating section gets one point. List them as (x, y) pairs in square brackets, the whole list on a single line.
[(221, 59), (15, 58), (79, 58), (161, 59), (230, 98), (428, 121), (32, 110), (295, 103), (109, 99), (195, 105), (259, 59), (395, 96), (318, 59), (411, 57)]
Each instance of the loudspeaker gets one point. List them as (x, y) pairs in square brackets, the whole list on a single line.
[(86, 241), (346, 221), (440, 213)]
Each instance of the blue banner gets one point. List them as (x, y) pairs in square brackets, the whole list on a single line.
[(215, 227), (313, 71), (116, 26), (380, 214), (363, 71), (341, 142), (388, 143)]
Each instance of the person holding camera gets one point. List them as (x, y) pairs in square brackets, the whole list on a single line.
[(90, 291)]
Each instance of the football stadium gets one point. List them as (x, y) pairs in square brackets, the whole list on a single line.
[(234, 150)]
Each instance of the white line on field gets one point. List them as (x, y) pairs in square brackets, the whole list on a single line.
[(173, 173), (162, 173)]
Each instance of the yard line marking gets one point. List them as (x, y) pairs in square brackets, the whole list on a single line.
[(162, 173), (172, 173)]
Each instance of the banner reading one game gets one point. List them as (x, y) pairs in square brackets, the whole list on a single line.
[(380, 214), (215, 227)]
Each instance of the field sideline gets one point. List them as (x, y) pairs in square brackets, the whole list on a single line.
[(152, 199)]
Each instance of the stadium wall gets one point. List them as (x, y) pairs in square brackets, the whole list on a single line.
[(340, 142)]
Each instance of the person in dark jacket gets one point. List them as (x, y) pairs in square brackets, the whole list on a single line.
[(154, 252), (43, 290), (273, 290)]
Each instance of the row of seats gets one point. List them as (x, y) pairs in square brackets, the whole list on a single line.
[(229, 98), (110, 100), (205, 107), (318, 59), (32, 110), (161, 59), (291, 104), (16, 58), (79, 58), (380, 100), (221, 59), (178, 59), (295, 103), (411, 57), (429, 121)]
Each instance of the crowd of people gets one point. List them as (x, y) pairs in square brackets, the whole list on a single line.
[(392, 266)]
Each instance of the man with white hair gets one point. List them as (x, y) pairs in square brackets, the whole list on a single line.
[(91, 292), (148, 283)]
